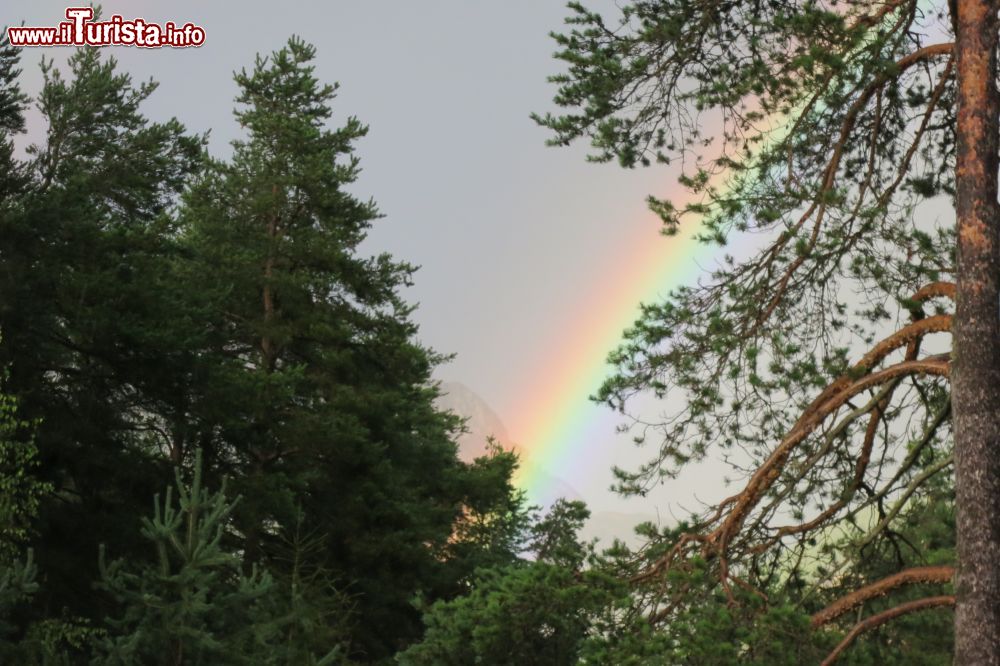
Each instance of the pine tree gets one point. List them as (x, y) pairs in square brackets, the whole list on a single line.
[(239, 319), (20, 490), (90, 334), (539, 609), (831, 132), (12, 103), (193, 605), (316, 398)]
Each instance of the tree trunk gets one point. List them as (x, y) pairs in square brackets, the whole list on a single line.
[(267, 347), (976, 363)]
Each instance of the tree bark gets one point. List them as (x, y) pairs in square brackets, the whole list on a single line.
[(976, 330)]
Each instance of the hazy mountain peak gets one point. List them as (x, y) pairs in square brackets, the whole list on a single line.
[(481, 421)]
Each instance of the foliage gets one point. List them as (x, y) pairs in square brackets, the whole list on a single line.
[(813, 366), (20, 490), (534, 611), (318, 400), (193, 604), (85, 315), (38, 640), (156, 302)]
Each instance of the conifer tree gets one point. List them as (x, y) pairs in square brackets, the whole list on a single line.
[(12, 103), (836, 132), (539, 609), (155, 303), (89, 334), (192, 604), (317, 399)]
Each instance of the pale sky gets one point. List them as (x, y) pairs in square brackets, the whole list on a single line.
[(513, 237)]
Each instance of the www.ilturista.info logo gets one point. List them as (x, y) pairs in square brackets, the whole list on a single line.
[(81, 30)]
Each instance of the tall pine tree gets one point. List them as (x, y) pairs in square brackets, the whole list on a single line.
[(318, 399), (155, 302), (823, 128), (84, 313)]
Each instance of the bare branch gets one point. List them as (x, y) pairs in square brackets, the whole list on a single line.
[(914, 576), (886, 616)]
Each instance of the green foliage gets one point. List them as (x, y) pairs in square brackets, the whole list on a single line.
[(84, 314), (17, 584), (714, 633), (192, 605), (493, 527), (530, 614), (535, 611), (310, 611), (24, 639), (925, 535), (156, 302), (21, 491), (828, 133), (318, 400)]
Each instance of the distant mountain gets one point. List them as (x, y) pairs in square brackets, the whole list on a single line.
[(482, 422)]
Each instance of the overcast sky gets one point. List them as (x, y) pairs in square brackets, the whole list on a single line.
[(513, 237)]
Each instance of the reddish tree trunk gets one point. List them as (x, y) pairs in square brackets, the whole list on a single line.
[(976, 365)]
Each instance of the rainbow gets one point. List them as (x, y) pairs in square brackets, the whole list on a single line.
[(558, 421), (557, 415)]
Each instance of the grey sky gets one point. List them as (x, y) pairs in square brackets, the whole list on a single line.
[(513, 237)]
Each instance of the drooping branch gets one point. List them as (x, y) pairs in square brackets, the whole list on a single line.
[(886, 616), (914, 576), (717, 542), (828, 441), (876, 407), (768, 473), (860, 467), (901, 338), (734, 511)]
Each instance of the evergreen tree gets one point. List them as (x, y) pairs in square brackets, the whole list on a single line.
[(12, 103), (533, 611), (156, 303), (20, 490), (316, 398), (830, 132), (493, 529), (87, 322), (194, 605)]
